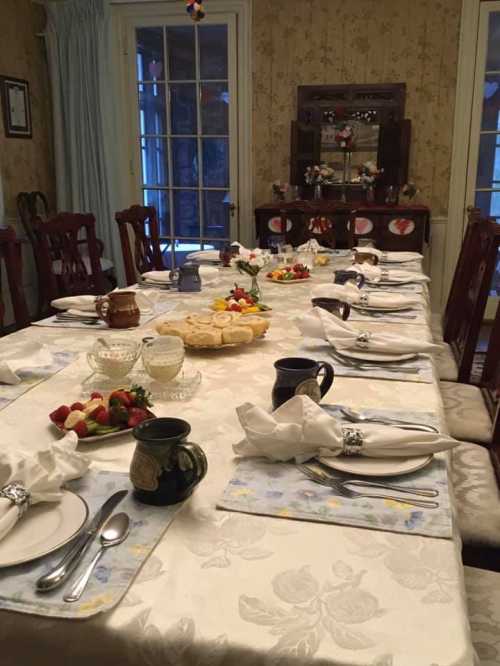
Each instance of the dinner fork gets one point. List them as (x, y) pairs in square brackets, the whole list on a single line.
[(340, 488), (362, 365)]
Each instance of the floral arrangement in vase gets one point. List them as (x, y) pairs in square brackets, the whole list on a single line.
[(368, 174), (345, 138), (409, 190), (319, 175), (251, 264), (279, 190)]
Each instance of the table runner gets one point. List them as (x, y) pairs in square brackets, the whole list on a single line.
[(115, 571), (32, 377)]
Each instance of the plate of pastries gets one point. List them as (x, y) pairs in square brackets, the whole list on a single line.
[(215, 331)]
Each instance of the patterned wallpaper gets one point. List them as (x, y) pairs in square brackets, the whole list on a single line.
[(358, 41), (26, 164)]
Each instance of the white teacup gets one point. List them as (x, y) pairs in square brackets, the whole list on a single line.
[(113, 356), (163, 357)]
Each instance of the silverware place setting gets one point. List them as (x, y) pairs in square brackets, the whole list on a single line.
[(357, 417), (343, 487), (373, 365), (382, 314)]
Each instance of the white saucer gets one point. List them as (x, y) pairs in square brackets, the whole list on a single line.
[(45, 527), (363, 466), (374, 356)]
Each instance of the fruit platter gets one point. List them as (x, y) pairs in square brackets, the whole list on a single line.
[(241, 301), (290, 274), (101, 416)]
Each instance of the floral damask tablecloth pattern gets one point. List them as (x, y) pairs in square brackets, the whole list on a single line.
[(221, 588)]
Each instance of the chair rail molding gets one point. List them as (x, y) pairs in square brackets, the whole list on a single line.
[(457, 206)]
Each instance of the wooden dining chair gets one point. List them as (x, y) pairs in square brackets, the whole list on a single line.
[(141, 223), (10, 253), (469, 292), (63, 236)]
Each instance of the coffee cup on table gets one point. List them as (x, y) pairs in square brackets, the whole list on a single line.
[(341, 277), (335, 307), (299, 376)]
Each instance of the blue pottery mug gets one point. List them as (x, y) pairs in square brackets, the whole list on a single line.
[(299, 376), (341, 277)]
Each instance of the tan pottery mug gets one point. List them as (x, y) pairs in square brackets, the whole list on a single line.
[(118, 309)]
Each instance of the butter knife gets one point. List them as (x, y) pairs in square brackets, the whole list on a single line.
[(74, 555)]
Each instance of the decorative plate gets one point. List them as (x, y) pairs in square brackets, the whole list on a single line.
[(364, 466), (101, 438)]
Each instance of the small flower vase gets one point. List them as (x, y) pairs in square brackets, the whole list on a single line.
[(370, 194), (255, 291), (318, 192)]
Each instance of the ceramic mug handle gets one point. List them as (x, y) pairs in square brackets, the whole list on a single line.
[(360, 280), (174, 276), (325, 385), (345, 310), (197, 459), (102, 308)]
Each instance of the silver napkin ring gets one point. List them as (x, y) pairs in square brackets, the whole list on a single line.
[(363, 339), (384, 273), (363, 299), (352, 441), (17, 494)]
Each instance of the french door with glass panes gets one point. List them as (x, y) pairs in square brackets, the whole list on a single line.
[(182, 83), (483, 178)]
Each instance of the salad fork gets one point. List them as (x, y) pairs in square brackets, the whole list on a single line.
[(341, 488)]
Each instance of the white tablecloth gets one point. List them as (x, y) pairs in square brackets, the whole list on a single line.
[(225, 588)]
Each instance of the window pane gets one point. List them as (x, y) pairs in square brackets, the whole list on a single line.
[(183, 108), (488, 167), (159, 199), (491, 103), (214, 108), (212, 40), (489, 203), (181, 58), (152, 108), (149, 54), (154, 161), (215, 163), (216, 214), (186, 217), (493, 55), (185, 162)]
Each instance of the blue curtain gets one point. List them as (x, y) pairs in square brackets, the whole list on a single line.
[(79, 49)]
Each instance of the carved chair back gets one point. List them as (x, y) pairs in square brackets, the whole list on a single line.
[(490, 388), (63, 236), (146, 255), (470, 289), (10, 253)]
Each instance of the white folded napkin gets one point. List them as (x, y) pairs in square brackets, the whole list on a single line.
[(378, 274), (350, 293), (300, 429), (204, 255), (25, 355), (42, 474), (396, 257), (208, 274), (162, 277), (85, 304), (341, 335), (312, 245)]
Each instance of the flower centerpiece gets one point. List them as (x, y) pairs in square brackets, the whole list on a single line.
[(345, 137), (251, 264), (368, 175), (279, 190), (409, 190), (319, 175)]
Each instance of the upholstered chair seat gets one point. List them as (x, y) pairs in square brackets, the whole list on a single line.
[(483, 602), (446, 366), (477, 496), (466, 413)]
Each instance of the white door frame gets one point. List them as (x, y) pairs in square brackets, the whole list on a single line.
[(458, 202), (122, 12)]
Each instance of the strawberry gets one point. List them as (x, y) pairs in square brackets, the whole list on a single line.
[(81, 429), (121, 397), (77, 406), (102, 416), (136, 416), (96, 411), (60, 414), (118, 414), (270, 275), (96, 396), (235, 307)]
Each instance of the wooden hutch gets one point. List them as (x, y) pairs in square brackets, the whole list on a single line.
[(382, 135)]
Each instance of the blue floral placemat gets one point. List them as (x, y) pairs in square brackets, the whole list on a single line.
[(268, 488), (115, 571), (30, 377)]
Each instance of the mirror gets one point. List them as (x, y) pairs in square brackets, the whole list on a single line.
[(365, 147)]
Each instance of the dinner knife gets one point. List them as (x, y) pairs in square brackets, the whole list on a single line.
[(73, 557)]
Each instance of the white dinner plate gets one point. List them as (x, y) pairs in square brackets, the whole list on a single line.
[(374, 356), (382, 308), (45, 527), (391, 283), (364, 466)]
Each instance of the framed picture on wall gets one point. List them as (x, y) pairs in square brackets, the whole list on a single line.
[(15, 95)]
